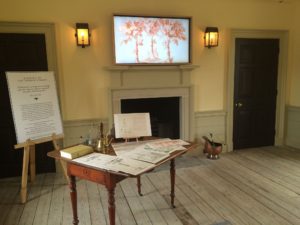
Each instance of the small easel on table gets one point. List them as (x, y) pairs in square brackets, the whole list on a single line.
[(29, 160)]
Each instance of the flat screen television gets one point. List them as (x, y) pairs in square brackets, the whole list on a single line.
[(146, 40)]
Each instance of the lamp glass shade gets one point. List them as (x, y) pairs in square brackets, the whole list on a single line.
[(82, 34), (211, 37)]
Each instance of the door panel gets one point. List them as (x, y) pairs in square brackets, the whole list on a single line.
[(19, 52), (255, 88)]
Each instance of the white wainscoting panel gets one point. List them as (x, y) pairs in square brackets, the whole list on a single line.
[(211, 122), (77, 131), (204, 123), (293, 126)]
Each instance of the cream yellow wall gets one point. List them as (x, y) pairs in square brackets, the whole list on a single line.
[(84, 82), (294, 78)]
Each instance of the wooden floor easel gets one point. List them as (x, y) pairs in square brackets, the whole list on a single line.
[(29, 160)]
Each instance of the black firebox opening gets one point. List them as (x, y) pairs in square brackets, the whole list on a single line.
[(164, 114)]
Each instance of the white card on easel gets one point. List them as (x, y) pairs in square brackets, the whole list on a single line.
[(132, 125)]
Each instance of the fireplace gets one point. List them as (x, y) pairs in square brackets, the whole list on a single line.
[(155, 82), (164, 114), (155, 100)]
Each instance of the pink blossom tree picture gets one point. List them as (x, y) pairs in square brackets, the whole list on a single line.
[(151, 40)]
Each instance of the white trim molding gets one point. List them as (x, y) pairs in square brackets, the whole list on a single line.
[(48, 29), (128, 82), (185, 104), (282, 35)]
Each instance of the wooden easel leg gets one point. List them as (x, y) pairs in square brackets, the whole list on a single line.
[(62, 163), (32, 163), (64, 168), (25, 174)]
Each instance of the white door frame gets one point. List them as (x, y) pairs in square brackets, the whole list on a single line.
[(48, 29), (281, 80)]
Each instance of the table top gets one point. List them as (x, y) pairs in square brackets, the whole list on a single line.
[(56, 154)]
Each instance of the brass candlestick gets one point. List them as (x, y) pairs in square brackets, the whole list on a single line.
[(103, 142)]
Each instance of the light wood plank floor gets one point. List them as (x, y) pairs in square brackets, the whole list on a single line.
[(253, 186)]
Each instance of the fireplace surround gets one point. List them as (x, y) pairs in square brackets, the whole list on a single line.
[(133, 82)]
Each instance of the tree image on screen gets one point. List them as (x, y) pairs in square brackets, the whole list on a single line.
[(152, 40), (174, 32), (133, 31), (152, 29)]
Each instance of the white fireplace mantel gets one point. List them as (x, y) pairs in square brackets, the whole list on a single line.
[(127, 76), (128, 82), (146, 67)]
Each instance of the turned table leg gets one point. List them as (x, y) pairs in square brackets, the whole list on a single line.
[(172, 176), (139, 185), (110, 186), (73, 194)]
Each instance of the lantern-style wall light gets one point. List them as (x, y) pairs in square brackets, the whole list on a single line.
[(211, 37), (82, 34)]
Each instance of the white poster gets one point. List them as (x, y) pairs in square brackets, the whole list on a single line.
[(34, 103)]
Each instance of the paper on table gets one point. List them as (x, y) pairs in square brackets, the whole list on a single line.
[(167, 146), (166, 150), (167, 143), (136, 156), (130, 166), (125, 147), (114, 163), (142, 154), (96, 160)]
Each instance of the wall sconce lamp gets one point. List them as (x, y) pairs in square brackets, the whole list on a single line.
[(82, 34), (211, 37)]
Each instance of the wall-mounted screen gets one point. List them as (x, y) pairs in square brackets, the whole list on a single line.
[(151, 40)]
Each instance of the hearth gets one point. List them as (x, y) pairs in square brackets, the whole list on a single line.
[(164, 114), (181, 95)]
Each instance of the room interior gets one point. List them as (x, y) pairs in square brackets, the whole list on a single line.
[(86, 76), (91, 86)]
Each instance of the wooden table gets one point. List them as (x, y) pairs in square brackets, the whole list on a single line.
[(110, 179)]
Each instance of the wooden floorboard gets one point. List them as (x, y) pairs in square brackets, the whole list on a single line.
[(247, 187)]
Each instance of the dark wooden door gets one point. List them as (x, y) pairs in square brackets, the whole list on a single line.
[(255, 90), (19, 52)]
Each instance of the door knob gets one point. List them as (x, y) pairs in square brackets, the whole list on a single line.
[(239, 104)]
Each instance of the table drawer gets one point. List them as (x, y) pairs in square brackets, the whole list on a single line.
[(87, 173)]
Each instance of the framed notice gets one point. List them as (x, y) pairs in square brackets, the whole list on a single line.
[(132, 125), (34, 104)]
